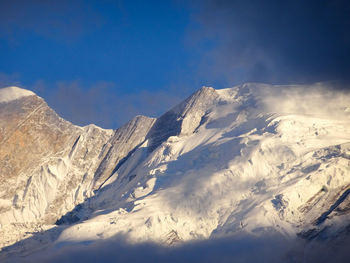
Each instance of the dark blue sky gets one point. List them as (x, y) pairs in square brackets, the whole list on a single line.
[(105, 61)]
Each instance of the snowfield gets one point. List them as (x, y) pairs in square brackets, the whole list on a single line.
[(255, 159)]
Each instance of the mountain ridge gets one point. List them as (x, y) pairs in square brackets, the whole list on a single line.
[(252, 159)]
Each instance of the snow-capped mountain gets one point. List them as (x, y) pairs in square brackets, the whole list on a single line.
[(251, 159)]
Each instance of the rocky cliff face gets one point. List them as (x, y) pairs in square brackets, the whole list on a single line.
[(31, 134), (48, 165), (251, 159)]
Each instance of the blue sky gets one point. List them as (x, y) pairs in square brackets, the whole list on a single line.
[(105, 61), (120, 43)]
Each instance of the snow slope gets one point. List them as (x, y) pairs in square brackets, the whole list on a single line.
[(251, 159)]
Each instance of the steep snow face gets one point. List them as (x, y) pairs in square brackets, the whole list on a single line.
[(246, 165), (254, 158), (13, 93), (123, 142), (183, 119)]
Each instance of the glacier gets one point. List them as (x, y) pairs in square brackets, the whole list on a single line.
[(255, 159)]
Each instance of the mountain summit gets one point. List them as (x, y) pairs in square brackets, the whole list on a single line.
[(255, 159), (13, 93)]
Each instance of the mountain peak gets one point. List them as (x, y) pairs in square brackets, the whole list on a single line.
[(13, 93), (206, 88)]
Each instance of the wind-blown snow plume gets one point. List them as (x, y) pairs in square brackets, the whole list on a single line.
[(317, 100)]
